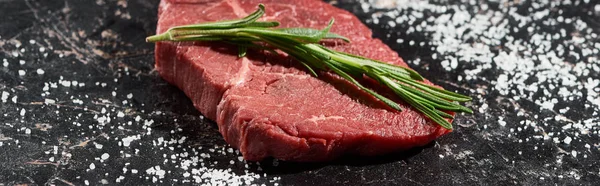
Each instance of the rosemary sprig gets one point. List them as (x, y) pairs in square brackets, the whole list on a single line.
[(302, 44)]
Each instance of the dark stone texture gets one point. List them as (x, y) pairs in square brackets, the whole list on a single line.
[(52, 135)]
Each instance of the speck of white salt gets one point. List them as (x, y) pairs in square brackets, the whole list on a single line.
[(92, 166), (129, 96), (65, 83), (49, 101), (120, 114), (27, 131), (105, 156), (23, 112), (98, 145), (4, 96), (21, 72), (118, 180), (501, 121), (21, 62), (567, 140), (156, 171), (127, 140), (40, 71), (77, 101)]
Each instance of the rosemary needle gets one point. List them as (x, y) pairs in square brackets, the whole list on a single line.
[(302, 44)]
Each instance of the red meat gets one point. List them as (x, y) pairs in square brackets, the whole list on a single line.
[(268, 106)]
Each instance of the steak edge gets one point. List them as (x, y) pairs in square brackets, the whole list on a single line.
[(268, 106)]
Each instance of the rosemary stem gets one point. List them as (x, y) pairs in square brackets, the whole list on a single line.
[(166, 36)]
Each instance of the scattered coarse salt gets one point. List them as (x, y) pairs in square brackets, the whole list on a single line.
[(550, 68), (92, 166), (501, 121), (98, 145), (4, 96), (127, 140), (65, 83), (105, 156), (567, 140), (40, 71), (77, 101), (49, 101), (119, 179), (21, 73), (156, 171)]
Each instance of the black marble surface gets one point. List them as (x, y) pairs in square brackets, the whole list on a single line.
[(81, 104)]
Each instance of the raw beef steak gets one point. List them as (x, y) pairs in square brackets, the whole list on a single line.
[(267, 105)]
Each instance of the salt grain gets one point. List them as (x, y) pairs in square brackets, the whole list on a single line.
[(127, 140), (77, 101), (567, 140), (4, 96), (105, 156)]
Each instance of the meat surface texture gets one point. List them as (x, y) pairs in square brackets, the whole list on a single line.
[(269, 106)]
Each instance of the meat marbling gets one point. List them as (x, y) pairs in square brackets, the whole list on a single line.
[(269, 106)]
